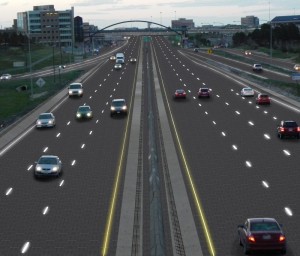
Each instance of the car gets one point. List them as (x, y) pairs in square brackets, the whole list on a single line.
[(247, 92), (257, 67), (288, 129), (84, 112), (196, 49), (248, 52), (62, 66), (112, 57), (204, 93), (75, 89), (263, 99), (297, 67), (48, 165), (45, 120), (5, 77), (180, 94), (132, 60), (118, 66), (118, 106), (261, 234)]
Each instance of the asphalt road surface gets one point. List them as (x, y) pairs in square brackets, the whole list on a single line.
[(213, 162)]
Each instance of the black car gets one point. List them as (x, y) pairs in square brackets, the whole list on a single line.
[(261, 234), (118, 107), (288, 129)]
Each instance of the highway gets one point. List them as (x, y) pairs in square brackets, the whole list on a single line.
[(216, 162)]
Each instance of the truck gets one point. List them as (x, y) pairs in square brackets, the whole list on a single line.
[(120, 58)]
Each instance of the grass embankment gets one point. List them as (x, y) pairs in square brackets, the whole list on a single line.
[(16, 103)]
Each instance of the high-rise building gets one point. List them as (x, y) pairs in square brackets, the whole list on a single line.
[(78, 29), (182, 22), (46, 25), (250, 21)]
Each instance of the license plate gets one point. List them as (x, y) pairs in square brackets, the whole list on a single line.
[(290, 129), (266, 237)]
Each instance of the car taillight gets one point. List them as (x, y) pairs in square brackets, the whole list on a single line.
[(281, 129), (251, 239), (281, 238), (298, 129)]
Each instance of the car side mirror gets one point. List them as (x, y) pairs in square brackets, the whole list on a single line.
[(241, 226)]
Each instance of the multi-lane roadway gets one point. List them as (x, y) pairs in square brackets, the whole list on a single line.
[(219, 162)]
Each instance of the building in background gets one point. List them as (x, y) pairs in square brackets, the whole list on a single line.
[(286, 20), (78, 29), (47, 26), (182, 22), (250, 22)]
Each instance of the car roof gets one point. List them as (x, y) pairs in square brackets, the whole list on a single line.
[(114, 100), (84, 106), (76, 84), (247, 88), (49, 156)]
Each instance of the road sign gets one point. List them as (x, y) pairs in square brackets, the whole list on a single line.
[(296, 76), (40, 82)]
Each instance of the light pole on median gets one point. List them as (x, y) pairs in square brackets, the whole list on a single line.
[(30, 64)]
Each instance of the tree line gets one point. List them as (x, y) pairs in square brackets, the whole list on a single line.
[(285, 37), (12, 38)]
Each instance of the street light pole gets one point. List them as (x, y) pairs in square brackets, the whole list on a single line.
[(30, 64)]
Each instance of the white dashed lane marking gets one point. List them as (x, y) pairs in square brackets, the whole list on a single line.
[(8, 191)]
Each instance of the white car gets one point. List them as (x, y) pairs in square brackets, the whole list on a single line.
[(248, 52), (75, 89), (257, 67), (48, 165), (45, 120), (297, 67), (5, 77), (247, 91), (118, 66)]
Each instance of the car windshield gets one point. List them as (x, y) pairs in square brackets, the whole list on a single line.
[(290, 124), (45, 116), (264, 96), (84, 109), (248, 89), (75, 86), (204, 90), (264, 226), (180, 91), (118, 103), (47, 160)]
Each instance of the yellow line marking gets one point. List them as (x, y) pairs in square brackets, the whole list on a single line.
[(117, 184), (188, 172)]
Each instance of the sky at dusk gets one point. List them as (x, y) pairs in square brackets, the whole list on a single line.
[(103, 13)]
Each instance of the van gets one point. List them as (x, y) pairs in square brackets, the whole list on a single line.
[(120, 58)]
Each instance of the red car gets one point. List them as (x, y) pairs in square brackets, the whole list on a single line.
[(180, 94), (261, 234), (288, 128), (263, 99), (204, 92)]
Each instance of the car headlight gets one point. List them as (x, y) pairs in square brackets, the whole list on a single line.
[(78, 115), (89, 114), (38, 122), (55, 169), (50, 122), (70, 92), (38, 168), (112, 108), (124, 107), (80, 91)]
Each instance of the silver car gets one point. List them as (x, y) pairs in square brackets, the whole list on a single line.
[(118, 66), (48, 165), (5, 77), (45, 120), (75, 89)]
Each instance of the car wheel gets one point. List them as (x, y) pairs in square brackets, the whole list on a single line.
[(281, 136), (283, 252), (246, 250), (240, 241)]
